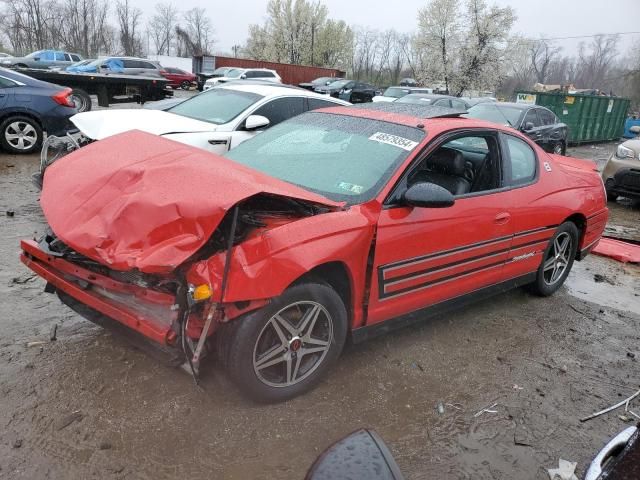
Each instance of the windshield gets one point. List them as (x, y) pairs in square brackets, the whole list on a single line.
[(234, 73), (395, 92), (492, 113), (321, 81), (218, 105), (343, 158)]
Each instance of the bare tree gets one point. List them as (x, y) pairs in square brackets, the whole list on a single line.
[(438, 37), (85, 27), (32, 24), (200, 31), (129, 23), (483, 52), (162, 27), (542, 54), (595, 61)]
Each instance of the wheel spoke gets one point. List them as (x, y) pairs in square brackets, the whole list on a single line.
[(289, 372), (11, 136), (549, 264), (309, 320), (564, 245), (274, 360), (556, 246), (308, 351), (296, 368), (314, 341), (284, 323), (20, 143), (276, 327)]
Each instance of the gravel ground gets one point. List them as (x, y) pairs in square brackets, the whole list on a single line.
[(91, 406)]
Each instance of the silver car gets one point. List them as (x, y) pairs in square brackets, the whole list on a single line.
[(42, 59)]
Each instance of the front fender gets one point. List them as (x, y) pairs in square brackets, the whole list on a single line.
[(265, 265)]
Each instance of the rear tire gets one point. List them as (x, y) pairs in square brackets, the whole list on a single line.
[(611, 197), (557, 260), (20, 134), (81, 99), (272, 361), (185, 85)]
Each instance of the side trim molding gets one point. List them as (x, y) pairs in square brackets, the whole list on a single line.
[(362, 334)]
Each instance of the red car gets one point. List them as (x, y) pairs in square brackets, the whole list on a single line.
[(178, 78), (342, 222)]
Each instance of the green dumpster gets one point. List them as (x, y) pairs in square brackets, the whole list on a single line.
[(591, 118)]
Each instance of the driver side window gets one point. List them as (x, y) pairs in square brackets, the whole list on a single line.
[(464, 165), (281, 109)]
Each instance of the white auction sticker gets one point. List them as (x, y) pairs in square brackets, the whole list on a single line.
[(403, 143)]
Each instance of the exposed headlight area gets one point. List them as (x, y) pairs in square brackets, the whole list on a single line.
[(624, 152)]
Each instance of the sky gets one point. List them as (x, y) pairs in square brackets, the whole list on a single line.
[(536, 18)]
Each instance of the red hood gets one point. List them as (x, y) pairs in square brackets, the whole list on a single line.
[(136, 200)]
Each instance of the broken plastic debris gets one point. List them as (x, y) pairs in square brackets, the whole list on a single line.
[(488, 409), (566, 471)]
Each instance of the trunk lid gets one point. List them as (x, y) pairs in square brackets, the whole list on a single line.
[(138, 201)]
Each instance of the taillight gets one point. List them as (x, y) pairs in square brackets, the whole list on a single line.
[(63, 97)]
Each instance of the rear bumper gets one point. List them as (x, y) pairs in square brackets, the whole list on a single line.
[(149, 312)]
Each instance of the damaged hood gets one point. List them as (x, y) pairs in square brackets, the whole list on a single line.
[(138, 201), (105, 123)]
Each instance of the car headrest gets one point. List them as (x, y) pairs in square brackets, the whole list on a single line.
[(448, 160)]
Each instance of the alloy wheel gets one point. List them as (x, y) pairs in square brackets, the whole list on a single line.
[(557, 149), (21, 135), (557, 259), (292, 344)]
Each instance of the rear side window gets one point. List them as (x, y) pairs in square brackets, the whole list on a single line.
[(281, 109), (130, 64), (522, 160), (458, 104), (148, 65)]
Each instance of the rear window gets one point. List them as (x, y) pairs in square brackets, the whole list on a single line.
[(503, 115)]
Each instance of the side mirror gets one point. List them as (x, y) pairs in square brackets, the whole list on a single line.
[(243, 76), (527, 127), (36, 59), (253, 122), (104, 66), (360, 456), (428, 195)]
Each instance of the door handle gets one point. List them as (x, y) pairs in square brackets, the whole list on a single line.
[(502, 218)]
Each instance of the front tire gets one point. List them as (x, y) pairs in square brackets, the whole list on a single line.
[(557, 260), (284, 349), (20, 134), (185, 85), (559, 148)]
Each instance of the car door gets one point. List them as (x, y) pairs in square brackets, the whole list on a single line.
[(46, 59), (425, 256), (552, 133), (532, 230)]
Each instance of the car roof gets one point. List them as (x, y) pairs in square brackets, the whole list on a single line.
[(270, 89), (427, 95), (431, 118)]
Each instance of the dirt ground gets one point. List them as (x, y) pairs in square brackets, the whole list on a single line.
[(91, 406)]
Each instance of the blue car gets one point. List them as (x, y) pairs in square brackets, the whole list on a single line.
[(29, 108), (113, 65)]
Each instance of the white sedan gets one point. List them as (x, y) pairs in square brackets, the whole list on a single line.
[(216, 120)]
